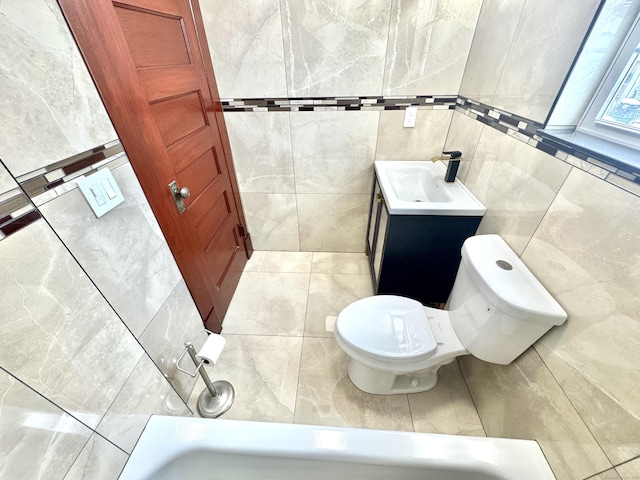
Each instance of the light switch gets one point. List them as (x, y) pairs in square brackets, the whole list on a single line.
[(101, 191), (97, 194), (111, 193), (410, 115)]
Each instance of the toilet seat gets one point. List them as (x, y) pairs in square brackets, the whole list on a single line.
[(387, 327)]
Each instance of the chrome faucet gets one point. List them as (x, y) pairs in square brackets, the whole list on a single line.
[(454, 158)]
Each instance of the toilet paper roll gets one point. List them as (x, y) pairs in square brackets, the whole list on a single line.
[(211, 350)]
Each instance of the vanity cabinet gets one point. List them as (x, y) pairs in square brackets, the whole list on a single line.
[(415, 256)]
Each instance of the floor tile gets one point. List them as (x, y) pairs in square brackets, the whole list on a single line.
[(328, 295), (326, 396), (523, 400), (448, 407), (285, 262), (264, 373), (629, 470), (268, 304), (608, 475), (354, 263)]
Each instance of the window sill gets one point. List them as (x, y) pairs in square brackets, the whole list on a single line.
[(617, 156)]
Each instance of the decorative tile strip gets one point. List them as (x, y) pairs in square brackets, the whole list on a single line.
[(527, 131), (323, 104), (16, 212), (49, 182)]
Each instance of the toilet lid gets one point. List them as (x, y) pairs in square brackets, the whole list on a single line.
[(388, 326)]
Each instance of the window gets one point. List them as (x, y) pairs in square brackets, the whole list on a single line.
[(614, 112), (597, 112)]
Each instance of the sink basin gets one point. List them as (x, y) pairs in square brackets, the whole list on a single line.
[(418, 188)]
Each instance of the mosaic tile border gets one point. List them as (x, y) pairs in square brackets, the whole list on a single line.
[(56, 174), (16, 212), (47, 183), (324, 104), (18, 206), (527, 131)]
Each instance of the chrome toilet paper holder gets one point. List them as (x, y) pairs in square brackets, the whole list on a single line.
[(218, 396)]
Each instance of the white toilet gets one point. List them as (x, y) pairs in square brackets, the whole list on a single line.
[(497, 309)]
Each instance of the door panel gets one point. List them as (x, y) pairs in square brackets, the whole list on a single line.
[(179, 116), (159, 90), (154, 39)]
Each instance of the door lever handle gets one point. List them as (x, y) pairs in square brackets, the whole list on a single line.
[(179, 194)]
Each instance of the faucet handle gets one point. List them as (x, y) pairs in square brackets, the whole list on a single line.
[(453, 154)]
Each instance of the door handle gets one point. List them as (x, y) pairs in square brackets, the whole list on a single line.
[(179, 194)]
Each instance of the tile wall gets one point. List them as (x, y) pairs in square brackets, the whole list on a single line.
[(93, 312), (522, 51), (579, 235), (576, 225), (305, 176)]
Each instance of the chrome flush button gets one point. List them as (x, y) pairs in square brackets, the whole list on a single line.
[(504, 265)]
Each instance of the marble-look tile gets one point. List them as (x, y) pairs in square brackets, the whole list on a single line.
[(629, 470), (261, 147), (548, 36), (329, 293), (284, 262), (607, 475), (272, 220), (132, 267), (586, 254), (99, 460), (176, 322), (39, 440), (50, 107), (447, 408), (57, 333), (464, 135), (268, 304), (264, 373), (516, 183), (351, 263), (422, 142), (6, 180), (428, 46), (145, 393), (332, 223), (523, 400), (245, 40), (335, 48), (326, 396), (614, 425), (495, 30), (333, 152)]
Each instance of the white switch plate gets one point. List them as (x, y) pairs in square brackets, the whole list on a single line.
[(410, 115), (101, 191)]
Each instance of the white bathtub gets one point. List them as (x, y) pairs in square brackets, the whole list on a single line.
[(194, 448)]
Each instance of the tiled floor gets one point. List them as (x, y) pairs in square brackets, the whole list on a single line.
[(286, 366)]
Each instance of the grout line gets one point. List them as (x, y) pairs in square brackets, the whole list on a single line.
[(577, 412), (475, 405)]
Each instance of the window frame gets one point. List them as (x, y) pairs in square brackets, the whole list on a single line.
[(590, 124)]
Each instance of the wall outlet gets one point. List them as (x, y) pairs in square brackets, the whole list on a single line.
[(410, 115)]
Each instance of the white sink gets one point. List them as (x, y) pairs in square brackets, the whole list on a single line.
[(418, 188)]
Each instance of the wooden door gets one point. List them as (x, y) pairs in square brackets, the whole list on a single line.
[(150, 62)]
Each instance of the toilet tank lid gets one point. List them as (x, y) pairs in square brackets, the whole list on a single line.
[(388, 326), (507, 282)]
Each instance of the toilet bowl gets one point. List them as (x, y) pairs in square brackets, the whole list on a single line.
[(497, 309)]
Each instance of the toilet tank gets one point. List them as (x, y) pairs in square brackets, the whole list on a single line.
[(497, 307)]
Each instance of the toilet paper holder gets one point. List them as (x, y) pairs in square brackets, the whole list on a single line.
[(218, 396), (186, 350)]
